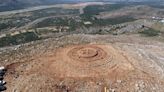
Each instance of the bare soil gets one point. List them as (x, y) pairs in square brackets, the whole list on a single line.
[(86, 63)]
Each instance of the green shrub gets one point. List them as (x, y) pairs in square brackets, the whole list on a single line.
[(150, 32)]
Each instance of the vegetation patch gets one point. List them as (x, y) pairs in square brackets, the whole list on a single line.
[(109, 21), (113, 21), (96, 9), (18, 20), (18, 39), (71, 23), (150, 32)]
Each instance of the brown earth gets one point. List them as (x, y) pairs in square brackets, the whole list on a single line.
[(77, 62), (95, 66)]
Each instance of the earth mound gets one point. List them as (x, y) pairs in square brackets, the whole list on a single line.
[(86, 67), (86, 61)]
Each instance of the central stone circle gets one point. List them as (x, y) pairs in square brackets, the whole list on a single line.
[(87, 53)]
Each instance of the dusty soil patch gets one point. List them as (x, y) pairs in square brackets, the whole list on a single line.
[(86, 61), (88, 67)]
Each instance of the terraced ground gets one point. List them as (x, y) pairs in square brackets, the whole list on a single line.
[(78, 63)]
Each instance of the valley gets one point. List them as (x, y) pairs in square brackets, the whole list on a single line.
[(83, 47)]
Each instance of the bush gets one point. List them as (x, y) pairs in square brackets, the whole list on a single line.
[(150, 32)]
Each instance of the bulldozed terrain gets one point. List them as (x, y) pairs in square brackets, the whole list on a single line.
[(86, 63), (70, 50)]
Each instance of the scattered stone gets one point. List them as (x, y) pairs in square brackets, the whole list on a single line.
[(2, 68), (98, 83), (119, 81), (112, 90), (139, 87)]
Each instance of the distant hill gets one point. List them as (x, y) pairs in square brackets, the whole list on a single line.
[(6, 5)]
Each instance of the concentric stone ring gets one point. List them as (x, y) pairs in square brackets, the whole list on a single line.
[(86, 60), (87, 53)]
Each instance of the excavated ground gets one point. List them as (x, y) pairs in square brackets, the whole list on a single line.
[(94, 64), (86, 61)]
